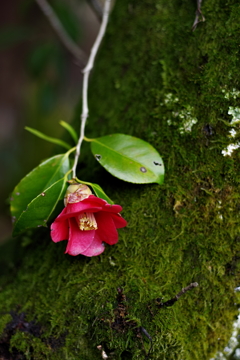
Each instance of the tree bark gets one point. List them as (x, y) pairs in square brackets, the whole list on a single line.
[(155, 79)]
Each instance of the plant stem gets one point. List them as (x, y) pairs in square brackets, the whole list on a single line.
[(61, 32), (86, 72), (87, 139), (198, 15), (176, 297)]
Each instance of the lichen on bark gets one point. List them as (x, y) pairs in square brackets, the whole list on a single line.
[(155, 79)]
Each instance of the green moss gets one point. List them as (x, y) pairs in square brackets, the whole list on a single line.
[(4, 320), (151, 68), (30, 346)]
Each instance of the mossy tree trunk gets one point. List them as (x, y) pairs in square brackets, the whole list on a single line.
[(155, 79)]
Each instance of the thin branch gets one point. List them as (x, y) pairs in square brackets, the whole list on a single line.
[(173, 300), (61, 32), (144, 331), (198, 15), (104, 355), (86, 72), (97, 8)]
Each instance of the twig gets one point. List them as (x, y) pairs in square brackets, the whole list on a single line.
[(86, 72), (97, 8), (173, 300), (198, 14), (144, 331), (104, 355), (60, 31)]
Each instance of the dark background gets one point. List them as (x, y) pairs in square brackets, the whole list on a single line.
[(40, 84)]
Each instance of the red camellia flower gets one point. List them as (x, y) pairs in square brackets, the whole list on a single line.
[(86, 222)]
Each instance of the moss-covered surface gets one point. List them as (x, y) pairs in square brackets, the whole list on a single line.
[(153, 74)]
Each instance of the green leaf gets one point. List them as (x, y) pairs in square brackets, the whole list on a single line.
[(37, 181), (39, 209), (98, 191), (129, 158), (48, 138), (70, 129)]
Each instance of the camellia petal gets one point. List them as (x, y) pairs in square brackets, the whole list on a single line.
[(73, 210), (79, 240), (86, 224), (112, 208), (119, 221), (96, 247), (106, 228), (59, 231)]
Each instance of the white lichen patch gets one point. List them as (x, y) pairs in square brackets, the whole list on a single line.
[(170, 99), (233, 94), (235, 123), (232, 133), (183, 118), (235, 112), (230, 148), (232, 343), (188, 120)]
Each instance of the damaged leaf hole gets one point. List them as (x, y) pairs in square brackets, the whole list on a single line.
[(98, 157), (157, 163), (143, 169)]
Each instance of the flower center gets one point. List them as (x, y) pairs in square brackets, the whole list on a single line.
[(87, 221)]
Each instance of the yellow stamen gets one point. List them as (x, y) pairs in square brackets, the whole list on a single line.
[(87, 221)]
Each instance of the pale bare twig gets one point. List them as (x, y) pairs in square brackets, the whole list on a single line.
[(61, 32), (86, 72), (104, 355), (198, 15)]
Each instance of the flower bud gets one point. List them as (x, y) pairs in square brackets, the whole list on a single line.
[(76, 193)]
